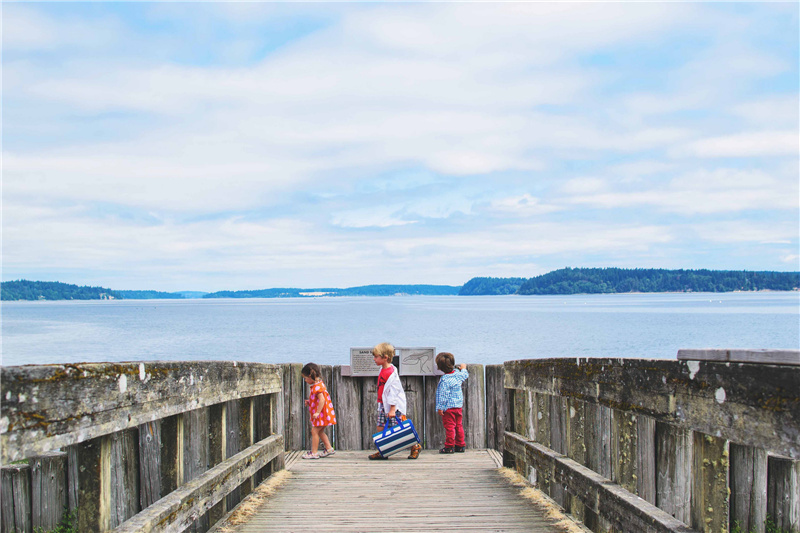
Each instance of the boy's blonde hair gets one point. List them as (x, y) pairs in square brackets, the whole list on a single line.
[(384, 350), (446, 362)]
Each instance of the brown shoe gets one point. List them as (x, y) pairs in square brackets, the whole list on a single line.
[(415, 449), (377, 456)]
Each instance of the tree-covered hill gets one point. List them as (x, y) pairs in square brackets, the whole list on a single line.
[(615, 280), (52, 290), (491, 286)]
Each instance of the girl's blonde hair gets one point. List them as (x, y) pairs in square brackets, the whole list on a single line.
[(384, 350), (312, 370)]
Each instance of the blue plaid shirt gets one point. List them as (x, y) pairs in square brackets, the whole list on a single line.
[(448, 392)]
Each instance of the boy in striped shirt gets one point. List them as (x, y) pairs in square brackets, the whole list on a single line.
[(450, 400)]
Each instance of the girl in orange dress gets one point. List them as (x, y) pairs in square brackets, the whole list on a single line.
[(320, 410)]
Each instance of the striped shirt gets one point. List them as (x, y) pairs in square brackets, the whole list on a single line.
[(448, 392)]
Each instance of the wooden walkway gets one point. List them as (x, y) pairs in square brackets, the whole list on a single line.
[(346, 492)]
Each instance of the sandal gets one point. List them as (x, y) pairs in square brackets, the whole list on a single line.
[(309, 455), (326, 453), (415, 449)]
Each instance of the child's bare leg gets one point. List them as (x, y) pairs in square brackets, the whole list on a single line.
[(325, 440), (314, 439)]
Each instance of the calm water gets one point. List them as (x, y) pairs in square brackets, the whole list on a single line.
[(482, 329)]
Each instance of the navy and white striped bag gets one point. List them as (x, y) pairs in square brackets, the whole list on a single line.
[(397, 438)]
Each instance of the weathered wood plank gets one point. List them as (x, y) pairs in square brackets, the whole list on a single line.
[(748, 477), (576, 448), (149, 463), (369, 405), (293, 406), (346, 397), (783, 492), (181, 508), (772, 357), (432, 430), (48, 490), (16, 496), (474, 410), (674, 451), (87, 459), (44, 406), (233, 443), (119, 477), (751, 404), (195, 455), (495, 410), (710, 484), (624, 444), (646, 458), (625, 511)]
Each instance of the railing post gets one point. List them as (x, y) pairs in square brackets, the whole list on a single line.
[(710, 484), (15, 486), (294, 408), (195, 454), (48, 490), (346, 396), (783, 493), (674, 447), (90, 512), (120, 477), (474, 410), (433, 431), (149, 463), (217, 449), (646, 458), (748, 487)]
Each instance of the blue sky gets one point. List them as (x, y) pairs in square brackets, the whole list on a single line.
[(210, 146)]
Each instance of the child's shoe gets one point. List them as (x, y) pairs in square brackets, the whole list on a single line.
[(309, 455), (326, 453), (446, 449), (376, 456), (459, 449), (415, 449)]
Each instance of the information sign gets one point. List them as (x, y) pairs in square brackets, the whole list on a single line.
[(362, 363), (418, 362)]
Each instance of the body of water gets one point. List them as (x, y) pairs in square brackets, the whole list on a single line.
[(477, 329)]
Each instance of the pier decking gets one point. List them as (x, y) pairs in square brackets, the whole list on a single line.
[(346, 492)]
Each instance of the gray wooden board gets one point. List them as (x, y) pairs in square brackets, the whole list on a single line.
[(347, 492), (49, 407), (750, 404), (772, 357)]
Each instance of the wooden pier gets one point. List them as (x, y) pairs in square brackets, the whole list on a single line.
[(706, 443), (348, 493)]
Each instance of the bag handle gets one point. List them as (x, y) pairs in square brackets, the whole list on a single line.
[(386, 426)]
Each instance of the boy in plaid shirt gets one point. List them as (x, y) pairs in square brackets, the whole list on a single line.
[(450, 400)]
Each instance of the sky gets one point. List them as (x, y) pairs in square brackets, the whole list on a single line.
[(228, 146)]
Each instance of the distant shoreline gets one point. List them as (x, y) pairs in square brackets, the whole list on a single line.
[(562, 282)]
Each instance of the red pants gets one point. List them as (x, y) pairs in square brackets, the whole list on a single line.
[(453, 428)]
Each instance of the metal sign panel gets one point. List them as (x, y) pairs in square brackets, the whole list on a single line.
[(418, 362), (362, 363)]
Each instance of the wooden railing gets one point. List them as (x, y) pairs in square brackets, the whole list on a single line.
[(703, 444), (355, 402), (624, 445), (150, 446)]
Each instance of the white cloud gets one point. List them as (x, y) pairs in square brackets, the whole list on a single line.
[(524, 205), (750, 144), (583, 186)]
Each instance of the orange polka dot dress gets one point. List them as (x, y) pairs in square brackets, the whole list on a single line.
[(327, 417)]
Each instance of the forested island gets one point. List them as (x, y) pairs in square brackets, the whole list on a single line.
[(562, 281), (53, 290), (616, 280)]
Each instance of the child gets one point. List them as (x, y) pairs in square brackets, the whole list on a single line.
[(449, 401), (320, 410), (391, 396)]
